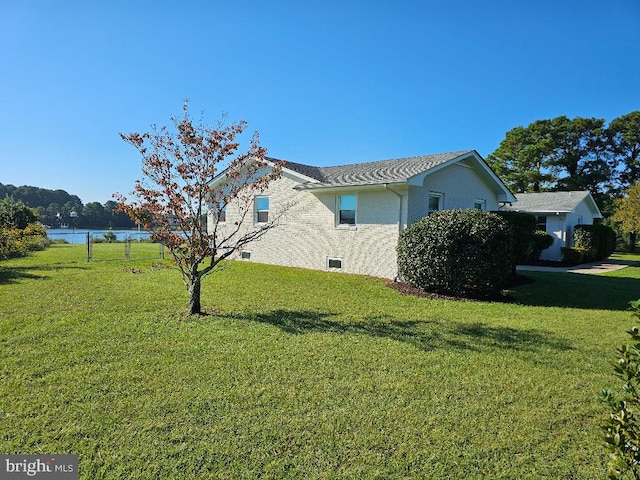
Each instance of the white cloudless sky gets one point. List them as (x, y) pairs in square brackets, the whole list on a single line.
[(325, 83)]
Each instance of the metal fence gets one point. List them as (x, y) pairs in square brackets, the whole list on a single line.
[(132, 246), (104, 245)]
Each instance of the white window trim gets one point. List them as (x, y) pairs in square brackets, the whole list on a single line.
[(256, 211), (482, 202), (440, 197), (345, 226)]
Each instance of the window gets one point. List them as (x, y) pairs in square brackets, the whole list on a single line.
[(334, 262), (262, 209), (245, 255), (347, 209), (222, 212), (435, 202), (480, 204), (542, 223)]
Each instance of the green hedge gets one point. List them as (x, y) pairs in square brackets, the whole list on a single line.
[(456, 251), (598, 240)]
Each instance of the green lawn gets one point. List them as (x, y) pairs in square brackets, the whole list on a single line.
[(303, 374)]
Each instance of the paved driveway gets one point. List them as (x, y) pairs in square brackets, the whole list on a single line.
[(593, 268)]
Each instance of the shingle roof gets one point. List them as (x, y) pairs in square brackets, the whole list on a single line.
[(379, 172), (548, 201)]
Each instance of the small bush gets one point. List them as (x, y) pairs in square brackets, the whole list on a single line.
[(541, 241), (109, 236), (456, 251), (599, 240), (622, 429)]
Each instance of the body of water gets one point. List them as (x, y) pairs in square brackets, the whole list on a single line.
[(79, 235)]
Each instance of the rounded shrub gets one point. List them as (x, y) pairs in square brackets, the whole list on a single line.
[(541, 241), (456, 251)]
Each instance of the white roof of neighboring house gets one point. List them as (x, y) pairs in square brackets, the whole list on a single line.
[(553, 202)]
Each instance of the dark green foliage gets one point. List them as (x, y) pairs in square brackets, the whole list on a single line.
[(523, 227), (541, 241), (110, 237), (574, 255), (456, 251), (599, 240), (38, 197), (53, 207), (15, 214), (622, 429)]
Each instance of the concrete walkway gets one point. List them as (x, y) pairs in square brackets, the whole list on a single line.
[(593, 268)]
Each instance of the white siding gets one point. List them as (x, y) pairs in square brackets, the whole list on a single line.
[(556, 228), (561, 225), (307, 235), (461, 187)]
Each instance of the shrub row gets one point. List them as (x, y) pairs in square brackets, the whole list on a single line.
[(16, 242)]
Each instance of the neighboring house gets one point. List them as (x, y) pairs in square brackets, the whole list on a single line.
[(347, 218), (557, 214)]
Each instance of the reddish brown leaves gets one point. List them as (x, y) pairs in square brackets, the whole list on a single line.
[(173, 195)]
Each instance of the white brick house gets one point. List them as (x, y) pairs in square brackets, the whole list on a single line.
[(347, 218)]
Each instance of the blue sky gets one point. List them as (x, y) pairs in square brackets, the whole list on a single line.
[(325, 83)]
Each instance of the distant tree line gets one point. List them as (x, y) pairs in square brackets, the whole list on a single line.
[(57, 208), (563, 154)]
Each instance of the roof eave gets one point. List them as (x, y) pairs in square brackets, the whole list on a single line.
[(348, 186), (505, 195)]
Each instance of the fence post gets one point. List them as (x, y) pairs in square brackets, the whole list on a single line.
[(88, 247), (127, 247)]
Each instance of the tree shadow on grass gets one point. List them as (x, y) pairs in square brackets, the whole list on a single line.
[(573, 290), (16, 274), (423, 334)]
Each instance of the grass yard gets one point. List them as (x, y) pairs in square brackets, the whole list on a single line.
[(303, 374)]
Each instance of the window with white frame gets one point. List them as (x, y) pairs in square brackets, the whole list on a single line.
[(347, 207), (262, 209), (434, 202), (480, 204)]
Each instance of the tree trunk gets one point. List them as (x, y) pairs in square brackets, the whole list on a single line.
[(194, 296), (632, 241)]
